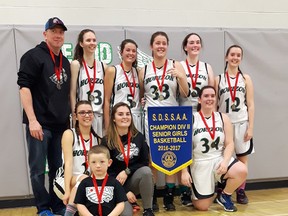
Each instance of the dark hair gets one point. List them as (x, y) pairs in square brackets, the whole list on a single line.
[(98, 149), (77, 129), (112, 133), (122, 47), (155, 34), (227, 53), (201, 92), (185, 41), (78, 51)]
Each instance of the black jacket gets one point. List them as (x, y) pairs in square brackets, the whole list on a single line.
[(51, 105)]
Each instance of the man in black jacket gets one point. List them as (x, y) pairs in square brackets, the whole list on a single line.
[(44, 81)]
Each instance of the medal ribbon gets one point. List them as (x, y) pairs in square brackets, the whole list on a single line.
[(194, 81), (129, 84), (212, 134), (126, 157), (84, 148), (233, 94), (99, 194), (57, 70), (91, 83), (163, 75)]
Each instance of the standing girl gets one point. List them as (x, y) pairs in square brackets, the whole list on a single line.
[(87, 77), (76, 143), (236, 98), (122, 84), (163, 80), (199, 74)]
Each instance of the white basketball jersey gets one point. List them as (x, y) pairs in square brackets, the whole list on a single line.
[(78, 153), (153, 96), (98, 91), (121, 90), (204, 148), (240, 112), (202, 80)]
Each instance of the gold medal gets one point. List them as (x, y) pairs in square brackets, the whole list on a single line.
[(233, 107), (161, 98)]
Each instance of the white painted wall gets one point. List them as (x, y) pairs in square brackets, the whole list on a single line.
[(179, 13)]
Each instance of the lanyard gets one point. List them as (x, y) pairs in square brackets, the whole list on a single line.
[(129, 84), (163, 75), (91, 82), (84, 148), (99, 194), (212, 134)]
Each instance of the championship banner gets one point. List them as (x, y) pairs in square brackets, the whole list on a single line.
[(170, 137)]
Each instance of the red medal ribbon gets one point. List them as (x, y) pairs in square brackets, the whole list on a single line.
[(163, 75), (91, 83), (57, 70), (99, 194), (129, 84), (194, 81), (84, 148), (126, 157), (212, 134), (233, 95)]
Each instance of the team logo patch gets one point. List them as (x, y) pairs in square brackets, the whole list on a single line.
[(169, 159)]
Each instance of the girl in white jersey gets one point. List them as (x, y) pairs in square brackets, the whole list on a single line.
[(76, 143), (236, 98), (87, 77), (122, 84), (213, 148), (199, 74), (162, 80)]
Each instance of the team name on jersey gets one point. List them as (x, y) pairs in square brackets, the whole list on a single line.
[(95, 80), (199, 76), (202, 130), (125, 84), (78, 153), (238, 89), (150, 79)]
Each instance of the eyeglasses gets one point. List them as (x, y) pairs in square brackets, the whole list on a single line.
[(83, 113)]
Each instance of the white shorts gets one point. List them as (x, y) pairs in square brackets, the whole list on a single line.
[(242, 148), (138, 121), (98, 124), (204, 177)]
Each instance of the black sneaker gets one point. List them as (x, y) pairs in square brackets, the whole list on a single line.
[(225, 201), (185, 198), (241, 197), (148, 212), (168, 199), (155, 206)]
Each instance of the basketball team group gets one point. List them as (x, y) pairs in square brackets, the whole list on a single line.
[(89, 122)]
